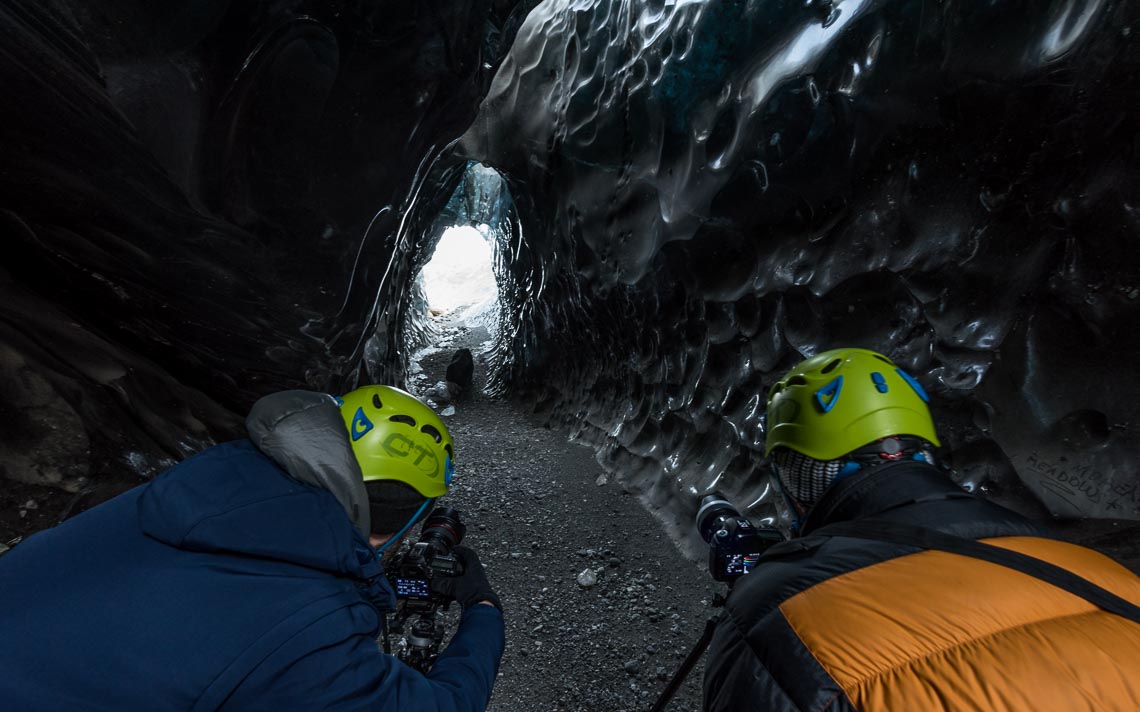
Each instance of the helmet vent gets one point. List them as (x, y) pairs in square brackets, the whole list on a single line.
[(832, 366), (447, 449), (376, 401), (405, 419), (431, 432), (797, 381), (884, 359)]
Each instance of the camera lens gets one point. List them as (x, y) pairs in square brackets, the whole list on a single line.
[(714, 510), (443, 526)]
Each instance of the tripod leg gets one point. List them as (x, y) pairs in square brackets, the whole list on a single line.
[(686, 667)]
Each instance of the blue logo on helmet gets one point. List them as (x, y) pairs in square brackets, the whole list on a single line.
[(828, 396), (448, 472), (360, 425), (880, 382)]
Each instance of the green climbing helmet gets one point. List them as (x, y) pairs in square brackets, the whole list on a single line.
[(396, 436), (839, 401)]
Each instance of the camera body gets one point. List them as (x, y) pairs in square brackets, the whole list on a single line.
[(410, 573), (735, 545)]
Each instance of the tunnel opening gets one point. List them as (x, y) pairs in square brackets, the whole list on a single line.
[(461, 284), (458, 281)]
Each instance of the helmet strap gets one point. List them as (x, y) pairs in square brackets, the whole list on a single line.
[(397, 536), (849, 468), (793, 506)]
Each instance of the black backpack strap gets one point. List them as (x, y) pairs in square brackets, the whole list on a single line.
[(923, 538)]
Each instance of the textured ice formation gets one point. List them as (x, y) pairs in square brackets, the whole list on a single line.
[(714, 190)]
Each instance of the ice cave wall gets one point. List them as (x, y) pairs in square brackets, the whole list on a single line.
[(714, 190)]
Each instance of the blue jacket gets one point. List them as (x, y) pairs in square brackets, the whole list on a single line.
[(223, 584)]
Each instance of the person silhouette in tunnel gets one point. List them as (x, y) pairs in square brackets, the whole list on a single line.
[(250, 576), (885, 599)]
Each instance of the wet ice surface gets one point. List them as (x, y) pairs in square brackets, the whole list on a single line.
[(744, 184)]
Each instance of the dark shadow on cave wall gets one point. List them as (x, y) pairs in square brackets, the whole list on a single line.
[(207, 200)]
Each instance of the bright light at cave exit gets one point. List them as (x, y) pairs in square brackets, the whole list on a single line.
[(459, 278)]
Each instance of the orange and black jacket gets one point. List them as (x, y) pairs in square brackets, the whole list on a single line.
[(837, 623)]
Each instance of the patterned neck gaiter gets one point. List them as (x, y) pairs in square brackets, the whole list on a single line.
[(805, 479)]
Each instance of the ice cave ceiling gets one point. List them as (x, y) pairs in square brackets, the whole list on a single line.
[(203, 201)]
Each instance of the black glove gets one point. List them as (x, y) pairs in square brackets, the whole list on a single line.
[(471, 587)]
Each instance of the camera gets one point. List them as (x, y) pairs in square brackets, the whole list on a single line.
[(735, 546), (410, 573)]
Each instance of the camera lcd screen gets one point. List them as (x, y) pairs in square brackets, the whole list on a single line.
[(740, 564), (412, 588)]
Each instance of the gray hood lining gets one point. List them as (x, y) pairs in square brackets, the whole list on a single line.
[(304, 433)]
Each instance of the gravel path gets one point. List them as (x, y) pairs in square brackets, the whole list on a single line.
[(539, 518)]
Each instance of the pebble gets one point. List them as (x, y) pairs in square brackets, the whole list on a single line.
[(31, 504), (632, 667), (602, 480), (587, 578)]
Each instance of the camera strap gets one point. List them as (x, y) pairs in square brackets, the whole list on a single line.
[(930, 539)]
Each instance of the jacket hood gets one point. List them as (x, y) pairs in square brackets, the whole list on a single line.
[(233, 499), (304, 433)]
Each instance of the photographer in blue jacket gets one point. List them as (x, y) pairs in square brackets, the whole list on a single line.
[(250, 576)]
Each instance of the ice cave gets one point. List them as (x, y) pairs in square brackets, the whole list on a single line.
[(671, 202)]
